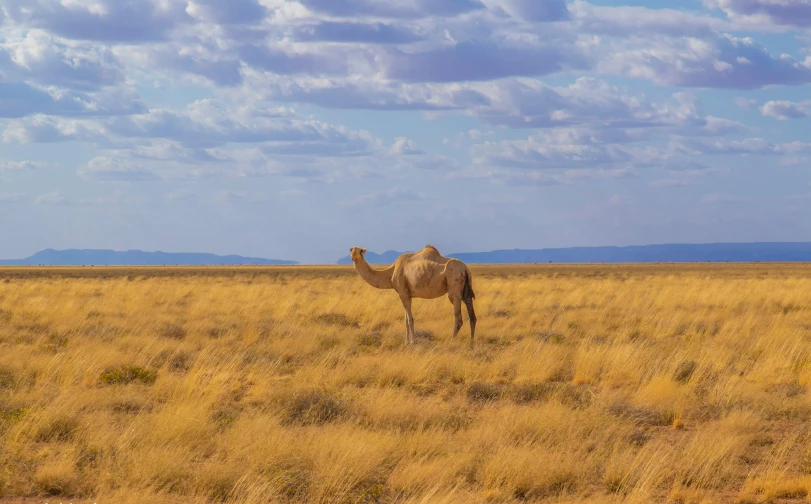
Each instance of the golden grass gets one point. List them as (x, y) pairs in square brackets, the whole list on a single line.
[(638, 383)]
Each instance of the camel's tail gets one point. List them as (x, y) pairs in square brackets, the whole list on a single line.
[(467, 290)]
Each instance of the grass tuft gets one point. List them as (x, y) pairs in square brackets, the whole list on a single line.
[(127, 374)]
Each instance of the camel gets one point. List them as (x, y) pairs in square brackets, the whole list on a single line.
[(427, 275)]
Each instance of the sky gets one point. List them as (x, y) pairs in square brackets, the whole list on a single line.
[(298, 129)]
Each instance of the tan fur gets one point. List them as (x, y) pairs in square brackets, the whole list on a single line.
[(427, 275)]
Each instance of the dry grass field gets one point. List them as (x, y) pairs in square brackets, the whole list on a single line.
[(604, 383)]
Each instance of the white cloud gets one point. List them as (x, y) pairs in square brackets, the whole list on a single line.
[(108, 169), (52, 199), (110, 21), (11, 197), (405, 147), (747, 146), (387, 197), (722, 61), (40, 57), (671, 183), (782, 109), (759, 12), (9, 166)]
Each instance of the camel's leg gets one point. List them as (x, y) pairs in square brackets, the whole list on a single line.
[(457, 312), (409, 319), (471, 313)]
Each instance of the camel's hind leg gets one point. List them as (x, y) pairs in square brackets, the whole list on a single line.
[(457, 312), (471, 313)]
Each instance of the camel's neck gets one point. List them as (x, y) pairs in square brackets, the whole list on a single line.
[(375, 278)]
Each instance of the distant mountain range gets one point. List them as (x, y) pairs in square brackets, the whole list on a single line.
[(699, 252), (704, 252), (87, 257)]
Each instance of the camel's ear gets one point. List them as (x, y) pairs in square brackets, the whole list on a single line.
[(363, 251)]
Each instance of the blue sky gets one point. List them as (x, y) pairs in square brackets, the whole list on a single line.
[(297, 129)]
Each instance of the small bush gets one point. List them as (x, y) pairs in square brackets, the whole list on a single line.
[(481, 392), (312, 407), (336, 319), (55, 480), (7, 378), (370, 339), (529, 392), (59, 429), (684, 371), (180, 362), (129, 407), (172, 331), (128, 374), (13, 414)]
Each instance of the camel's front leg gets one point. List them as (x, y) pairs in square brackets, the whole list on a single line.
[(409, 319)]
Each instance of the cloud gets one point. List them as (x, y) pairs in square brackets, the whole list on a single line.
[(223, 13), (531, 10), (38, 56), (203, 124), (182, 195), (405, 147), (781, 109), (114, 170), (529, 103), (54, 198), (230, 196), (625, 21), (9, 166), (196, 60), (11, 197), (354, 32), (563, 148), (387, 197), (780, 12), (483, 60), (745, 103), (48, 129), (400, 9), (519, 103), (525, 178), (671, 183), (111, 21), (18, 99), (752, 146), (307, 62), (722, 61)]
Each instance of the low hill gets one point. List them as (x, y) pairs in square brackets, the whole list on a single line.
[(87, 257), (686, 252)]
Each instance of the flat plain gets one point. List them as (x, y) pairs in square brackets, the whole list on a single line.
[(586, 383)]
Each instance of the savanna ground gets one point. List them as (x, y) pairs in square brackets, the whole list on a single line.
[(602, 383)]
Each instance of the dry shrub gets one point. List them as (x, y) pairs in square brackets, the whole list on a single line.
[(336, 319), (312, 406), (56, 430), (481, 392), (57, 478), (124, 375), (172, 331)]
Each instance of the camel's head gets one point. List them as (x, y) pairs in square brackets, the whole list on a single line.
[(356, 253)]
